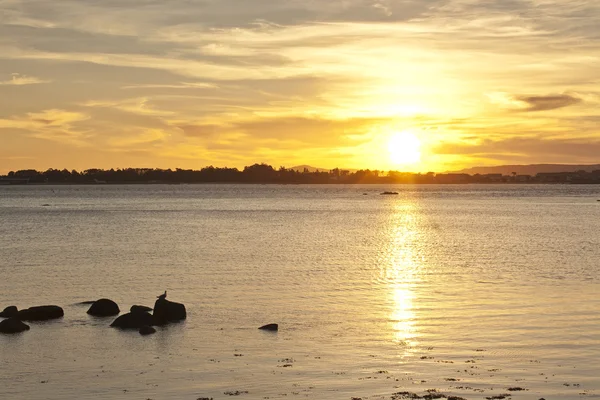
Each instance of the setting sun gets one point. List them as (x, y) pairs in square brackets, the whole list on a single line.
[(404, 148)]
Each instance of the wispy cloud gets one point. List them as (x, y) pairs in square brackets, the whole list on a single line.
[(534, 149), (182, 85), (530, 103), (551, 102), (54, 124), (19, 80)]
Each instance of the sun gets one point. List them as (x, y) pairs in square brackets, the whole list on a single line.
[(404, 148)]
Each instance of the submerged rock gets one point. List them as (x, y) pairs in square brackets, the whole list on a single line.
[(147, 330), (134, 321), (9, 312), (137, 308), (104, 308), (270, 327), (13, 325), (40, 313), (166, 311)]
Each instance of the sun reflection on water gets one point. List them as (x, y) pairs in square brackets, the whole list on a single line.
[(403, 317), (401, 269)]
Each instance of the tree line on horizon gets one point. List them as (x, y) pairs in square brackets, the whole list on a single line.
[(264, 173), (256, 173)]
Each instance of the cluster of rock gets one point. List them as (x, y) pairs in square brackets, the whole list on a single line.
[(140, 318), (15, 317)]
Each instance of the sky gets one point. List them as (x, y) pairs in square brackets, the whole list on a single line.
[(191, 83)]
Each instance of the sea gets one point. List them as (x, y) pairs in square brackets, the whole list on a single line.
[(439, 291)]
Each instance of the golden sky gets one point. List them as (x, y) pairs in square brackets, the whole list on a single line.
[(190, 83)]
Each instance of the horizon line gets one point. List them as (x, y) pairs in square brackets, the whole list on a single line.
[(303, 166)]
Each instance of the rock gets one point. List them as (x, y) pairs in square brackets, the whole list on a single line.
[(270, 327), (104, 308), (166, 311), (13, 325), (133, 321), (86, 303), (140, 309), (40, 313), (9, 312), (147, 330)]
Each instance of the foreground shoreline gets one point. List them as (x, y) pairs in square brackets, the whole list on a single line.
[(424, 372)]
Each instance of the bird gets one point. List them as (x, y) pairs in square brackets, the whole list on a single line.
[(163, 296)]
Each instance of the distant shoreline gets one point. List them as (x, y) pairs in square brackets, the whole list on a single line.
[(140, 183), (266, 174)]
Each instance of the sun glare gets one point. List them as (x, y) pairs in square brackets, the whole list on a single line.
[(404, 148)]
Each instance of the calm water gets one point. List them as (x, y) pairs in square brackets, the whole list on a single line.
[(469, 290)]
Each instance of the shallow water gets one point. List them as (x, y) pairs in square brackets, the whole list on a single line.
[(469, 290)]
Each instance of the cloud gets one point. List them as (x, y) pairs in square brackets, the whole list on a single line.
[(202, 130), (550, 102), (136, 139), (54, 124), (528, 149), (298, 131), (181, 85), (42, 119), (139, 105), (531, 103), (20, 80)]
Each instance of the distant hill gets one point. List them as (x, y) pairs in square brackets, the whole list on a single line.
[(532, 169)]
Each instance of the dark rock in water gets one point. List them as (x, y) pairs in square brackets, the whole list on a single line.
[(134, 321), (40, 313), (389, 193), (137, 308), (147, 330), (13, 325), (9, 312), (104, 308), (270, 327), (166, 311)]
